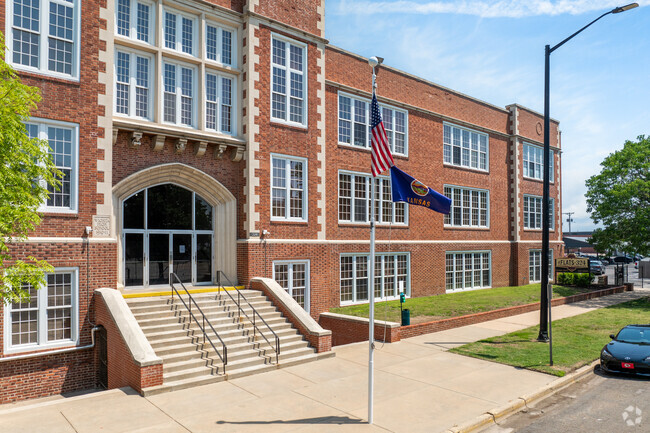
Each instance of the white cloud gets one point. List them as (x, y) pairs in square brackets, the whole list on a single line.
[(485, 8)]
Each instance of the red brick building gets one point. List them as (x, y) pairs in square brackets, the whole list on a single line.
[(229, 136)]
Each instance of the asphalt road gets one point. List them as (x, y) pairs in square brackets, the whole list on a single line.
[(598, 403)]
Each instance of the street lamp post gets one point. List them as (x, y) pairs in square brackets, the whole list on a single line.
[(544, 296)]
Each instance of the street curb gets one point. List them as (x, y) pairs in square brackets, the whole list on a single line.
[(492, 416)]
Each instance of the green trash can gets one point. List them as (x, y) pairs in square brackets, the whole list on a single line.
[(406, 317)]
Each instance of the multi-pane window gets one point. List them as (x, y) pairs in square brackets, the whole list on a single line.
[(49, 318), (535, 265), (354, 200), (354, 124), (134, 19), (288, 188), (391, 274), (179, 102), (63, 142), (180, 32), (467, 270), (390, 270), (294, 278), (218, 99), (533, 212), (465, 148), (219, 44), (44, 35), (534, 162), (289, 81), (469, 207), (132, 82)]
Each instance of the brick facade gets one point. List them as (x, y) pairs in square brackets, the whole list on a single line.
[(115, 150)]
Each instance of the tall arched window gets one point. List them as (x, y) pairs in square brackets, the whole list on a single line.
[(167, 228)]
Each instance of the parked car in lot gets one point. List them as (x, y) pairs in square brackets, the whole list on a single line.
[(596, 267), (628, 352), (623, 259)]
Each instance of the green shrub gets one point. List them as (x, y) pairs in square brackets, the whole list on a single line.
[(573, 279)]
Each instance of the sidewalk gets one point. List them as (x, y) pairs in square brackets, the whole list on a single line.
[(419, 387)]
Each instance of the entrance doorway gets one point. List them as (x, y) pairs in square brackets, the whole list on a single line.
[(167, 229)]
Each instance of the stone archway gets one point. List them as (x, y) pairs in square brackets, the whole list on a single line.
[(224, 202)]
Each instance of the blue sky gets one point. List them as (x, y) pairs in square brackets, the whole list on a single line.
[(494, 50)]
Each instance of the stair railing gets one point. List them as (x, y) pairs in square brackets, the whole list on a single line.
[(201, 324), (255, 314)]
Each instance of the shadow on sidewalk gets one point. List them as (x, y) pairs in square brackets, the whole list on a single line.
[(317, 420)]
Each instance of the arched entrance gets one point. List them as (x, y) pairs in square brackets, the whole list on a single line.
[(174, 218)]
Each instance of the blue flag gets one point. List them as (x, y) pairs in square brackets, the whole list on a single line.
[(408, 189)]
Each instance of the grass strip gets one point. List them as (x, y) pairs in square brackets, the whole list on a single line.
[(577, 340), (458, 304)]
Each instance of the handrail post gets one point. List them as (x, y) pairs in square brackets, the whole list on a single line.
[(203, 329)]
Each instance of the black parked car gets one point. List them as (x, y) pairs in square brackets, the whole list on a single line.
[(623, 259), (628, 352)]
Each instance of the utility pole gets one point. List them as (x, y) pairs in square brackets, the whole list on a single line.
[(569, 220)]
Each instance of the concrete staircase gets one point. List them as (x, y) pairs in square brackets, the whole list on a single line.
[(187, 362)]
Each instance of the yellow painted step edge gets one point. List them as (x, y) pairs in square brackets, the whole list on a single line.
[(169, 292)]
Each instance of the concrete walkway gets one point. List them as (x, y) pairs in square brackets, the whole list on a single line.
[(419, 387)]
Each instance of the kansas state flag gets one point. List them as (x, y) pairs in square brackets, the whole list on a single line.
[(408, 189)]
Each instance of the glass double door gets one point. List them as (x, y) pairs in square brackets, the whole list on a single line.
[(151, 257)]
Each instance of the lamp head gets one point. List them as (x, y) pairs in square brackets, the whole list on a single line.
[(374, 61), (620, 9)]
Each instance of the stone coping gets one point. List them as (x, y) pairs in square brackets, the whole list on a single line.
[(134, 339)]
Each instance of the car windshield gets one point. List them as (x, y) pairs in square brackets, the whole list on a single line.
[(634, 335)]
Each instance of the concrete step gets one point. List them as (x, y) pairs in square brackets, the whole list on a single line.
[(187, 344), (219, 325), (214, 316)]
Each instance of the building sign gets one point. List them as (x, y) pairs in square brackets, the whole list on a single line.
[(565, 264)]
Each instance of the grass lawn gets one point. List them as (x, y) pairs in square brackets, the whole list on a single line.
[(437, 307), (577, 340)]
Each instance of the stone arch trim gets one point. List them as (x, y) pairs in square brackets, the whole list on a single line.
[(215, 193)]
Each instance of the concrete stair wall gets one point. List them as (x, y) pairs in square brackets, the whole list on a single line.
[(188, 361)]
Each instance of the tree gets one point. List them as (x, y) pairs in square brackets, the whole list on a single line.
[(619, 198), (26, 170)]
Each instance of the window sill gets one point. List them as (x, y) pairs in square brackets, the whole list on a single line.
[(284, 124), (40, 349), (451, 227), (460, 167), (290, 222), (53, 214), (377, 225), (368, 149), (533, 179), (30, 73)]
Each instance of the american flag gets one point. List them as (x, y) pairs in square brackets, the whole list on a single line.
[(382, 158)]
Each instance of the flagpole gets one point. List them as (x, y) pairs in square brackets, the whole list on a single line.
[(371, 286)]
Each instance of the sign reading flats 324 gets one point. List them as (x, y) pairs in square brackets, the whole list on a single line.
[(571, 265)]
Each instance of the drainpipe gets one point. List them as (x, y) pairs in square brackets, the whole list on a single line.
[(55, 352)]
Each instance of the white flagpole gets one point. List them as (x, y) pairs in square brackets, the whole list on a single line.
[(371, 286)]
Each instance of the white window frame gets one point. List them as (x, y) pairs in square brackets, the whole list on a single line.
[(527, 214), (287, 188), (218, 102), (42, 342), (178, 40), (287, 83), (390, 133), (536, 256), (378, 274), (133, 22), (133, 71), (537, 152), (451, 216), (290, 264), (42, 125), (379, 202), (195, 95), (219, 53), (463, 272), (448, 148), (43, 59)]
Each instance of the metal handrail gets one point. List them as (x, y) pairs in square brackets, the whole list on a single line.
[(240, 296), (223, 358)]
